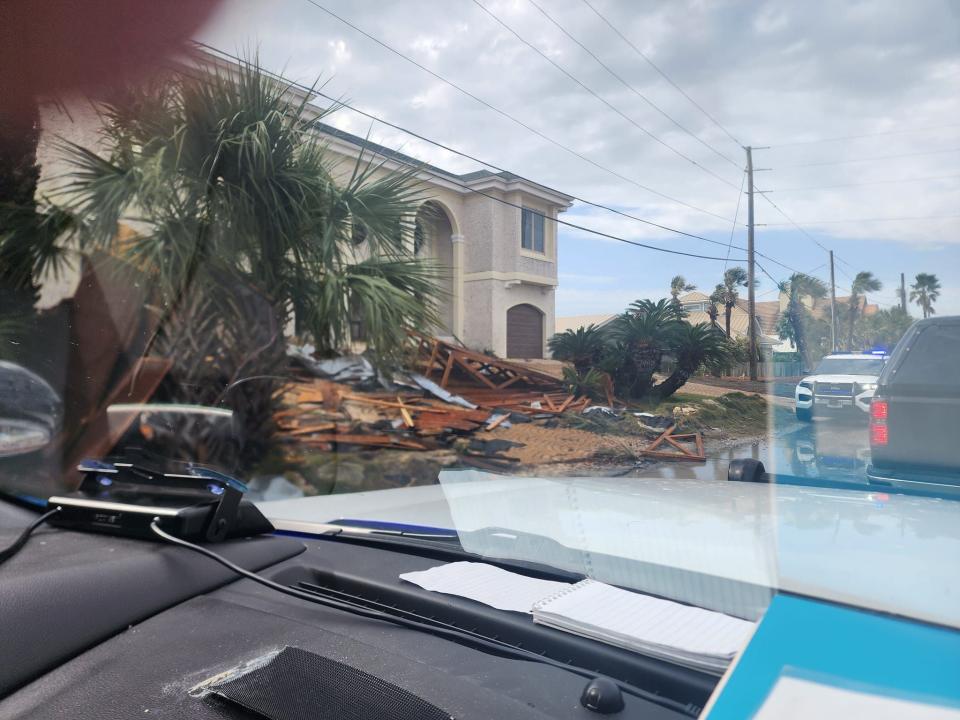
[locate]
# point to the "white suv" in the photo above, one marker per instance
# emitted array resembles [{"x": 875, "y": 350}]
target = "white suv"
[{"x": 840, "y": 383}]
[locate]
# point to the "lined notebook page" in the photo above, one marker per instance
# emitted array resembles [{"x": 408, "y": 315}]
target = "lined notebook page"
[
  {"x": 594, "y": 609},
  {"x": 487, "y": 584}
]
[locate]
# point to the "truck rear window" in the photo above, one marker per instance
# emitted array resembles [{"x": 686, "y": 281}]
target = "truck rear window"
[{"x": 932, "y": 358}]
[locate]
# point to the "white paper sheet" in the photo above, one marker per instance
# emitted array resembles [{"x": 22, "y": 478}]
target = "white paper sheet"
[
  {"x": 487, "y": 584},
  {"x": 798, "y": 699}
]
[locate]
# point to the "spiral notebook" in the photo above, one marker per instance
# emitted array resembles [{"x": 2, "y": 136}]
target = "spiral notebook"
[{"x": 689, "y": 636}]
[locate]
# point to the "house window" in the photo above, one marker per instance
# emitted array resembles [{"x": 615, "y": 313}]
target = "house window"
[{"x": 531, "y": 236}]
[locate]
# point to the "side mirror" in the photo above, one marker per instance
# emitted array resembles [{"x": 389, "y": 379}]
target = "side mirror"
[
  {"x": 30, "y": 411},
  {"x": 747, "y": 470}
]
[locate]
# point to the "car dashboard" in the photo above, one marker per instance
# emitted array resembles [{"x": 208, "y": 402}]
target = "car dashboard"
[{"x": 107, "y": 627}]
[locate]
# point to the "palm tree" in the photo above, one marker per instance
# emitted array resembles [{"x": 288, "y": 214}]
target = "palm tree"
[
  {"x": 732, "y": 279},
  {"x": 582, "y": 347},
  {"x": 863, "y": 283},
  {"x": 679, "y": 285},
  {"x": 886, "y": 327},
  {"x": 794, "y": 322},
  {"x": 239, "y": 223},
  {"x": 693, "y": 346},
  {"x": 716, "y": 298},
  {"x": 924, "y": 292}
]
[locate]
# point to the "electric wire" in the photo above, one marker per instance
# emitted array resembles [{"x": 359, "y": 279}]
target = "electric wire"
[
  {"x": 452, "y": 178},
  {"x": 733, "y": 228},
  {"x": 17, "y": 545},
  {"x": 839, "y": 138},
  {"x": 599, "y": 97},
  {"x": 873, "y": 219},
  {"x": 662, "y": 74},
  {"x": 432, "y": 626},
  {"x": 630, "y": 87},
  {"x": 872, "y": 159},
  {"x": 889, "y": 181},
  {"x": 513, "y": 118}
]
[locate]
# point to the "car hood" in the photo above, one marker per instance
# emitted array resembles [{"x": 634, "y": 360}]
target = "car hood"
[{"x": 889, "y": 552}]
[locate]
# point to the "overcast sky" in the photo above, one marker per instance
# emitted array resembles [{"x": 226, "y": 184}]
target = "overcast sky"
[{"x": 778, "y": 74}]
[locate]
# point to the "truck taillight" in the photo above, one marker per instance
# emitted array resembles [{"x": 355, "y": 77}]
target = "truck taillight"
[{"x": 879, "y": 430}]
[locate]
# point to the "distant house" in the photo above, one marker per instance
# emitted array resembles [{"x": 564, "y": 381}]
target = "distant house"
[
  {"x": 490, "y": 231},
  {"x": 767, "y": 313}
]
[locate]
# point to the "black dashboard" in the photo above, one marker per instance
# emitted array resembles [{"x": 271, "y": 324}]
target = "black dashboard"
[{"x": 104, "y": 627}]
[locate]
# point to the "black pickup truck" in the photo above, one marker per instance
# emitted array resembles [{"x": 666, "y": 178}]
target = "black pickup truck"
[{"x": 915, "y": 412}]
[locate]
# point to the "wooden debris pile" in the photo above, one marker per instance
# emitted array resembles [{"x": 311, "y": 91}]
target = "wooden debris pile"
[
  {"x": 491, "y": 382},
  {"x": 323, "y": 414}
]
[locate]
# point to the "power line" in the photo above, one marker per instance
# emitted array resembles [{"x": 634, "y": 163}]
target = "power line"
[
  {"x": 631, "y": 87},
  {"x": 510, "y": 117},
  {"x": 599, "y": 97},
  {"x": 875, "y": 219},
  {"x": 864, "y": 135},
  {"x": 662, "y": 74},
  {"x": 468, "y": 156},
  {"x": 423, "y": 167},
  {"x": 735, "y": 215},
  {"x": 891, "y": 181},
  {"x": 873, "y": 159}
]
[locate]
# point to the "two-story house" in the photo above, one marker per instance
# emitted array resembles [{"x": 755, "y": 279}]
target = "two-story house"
[{"x": 491, "y": 233}]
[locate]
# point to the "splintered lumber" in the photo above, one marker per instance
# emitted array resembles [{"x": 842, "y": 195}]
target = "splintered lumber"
[
  {"x": 307, "y": 429},
  {"x": 668, "y": 437},
  {"x": 497, "y": 422},
  {"x": 491, "y": 372},
  {"x": 357, "y": 439},
  {"x": 407, "y": 417}
]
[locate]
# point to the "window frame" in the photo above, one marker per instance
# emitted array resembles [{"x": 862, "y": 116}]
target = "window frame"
[{"x": 531, "y": 216}]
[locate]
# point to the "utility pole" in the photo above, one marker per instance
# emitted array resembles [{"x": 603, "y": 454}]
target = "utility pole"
[
  {"x": 903, "y": 293},
  {"x": 833, "y": 307},
  {"x": 751, "y": 293}
]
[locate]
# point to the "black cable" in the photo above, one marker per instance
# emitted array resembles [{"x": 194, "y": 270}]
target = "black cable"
[
  {"x": 632, "y": 89},
  {"x": 510, "y": 117},
  {"x": 15, "y": 547},
  {"x": 434, "y": 627},
  {"x": 872, "y": 159},
  {"x": 424, "y": 168},
  {"x": 889, "y": 181},
  {"x": 864, "y": 135},
  {"x": 873, "y": 219},
  {"x": 666, "y": 77},
  {"x": 736, "y": 214},
  {"x": 599, "y": 97}
]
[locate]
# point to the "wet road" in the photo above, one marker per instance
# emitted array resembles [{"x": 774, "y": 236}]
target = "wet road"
[{"x": 829, "y": 448}]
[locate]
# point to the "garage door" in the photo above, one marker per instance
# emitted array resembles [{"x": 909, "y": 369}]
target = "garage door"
[{"x": 524, "y": 332}]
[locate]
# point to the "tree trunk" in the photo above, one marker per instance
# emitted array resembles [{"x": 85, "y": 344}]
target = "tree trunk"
[
  {"x": 854, "y": 308},
  {"x": 677, "y": 379},
  {"x": 727, "y": 310}
]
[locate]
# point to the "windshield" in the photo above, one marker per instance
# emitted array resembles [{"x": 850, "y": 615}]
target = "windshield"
[
  {"x": 550, "y": 269},
  {"x": 849, "y": 366}
]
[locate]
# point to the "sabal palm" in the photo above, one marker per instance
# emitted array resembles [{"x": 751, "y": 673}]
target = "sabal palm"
[
  {"x": 716, "y": 298},
  {"x": 228, "y": 185},
  {"x": 679, "y": 284},
  {"x": 793, "y": 324},
  {"x": 732, "y": 279},
  {"x": 925, "y": 291},
  {"x": 863, "y": 283}
]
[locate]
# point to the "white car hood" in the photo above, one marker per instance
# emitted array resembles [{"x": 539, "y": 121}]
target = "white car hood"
[{"x": 894, "y": 553}]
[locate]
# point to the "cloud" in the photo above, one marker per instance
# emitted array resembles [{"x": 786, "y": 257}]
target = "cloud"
[{"x": 771, "y": 73}]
